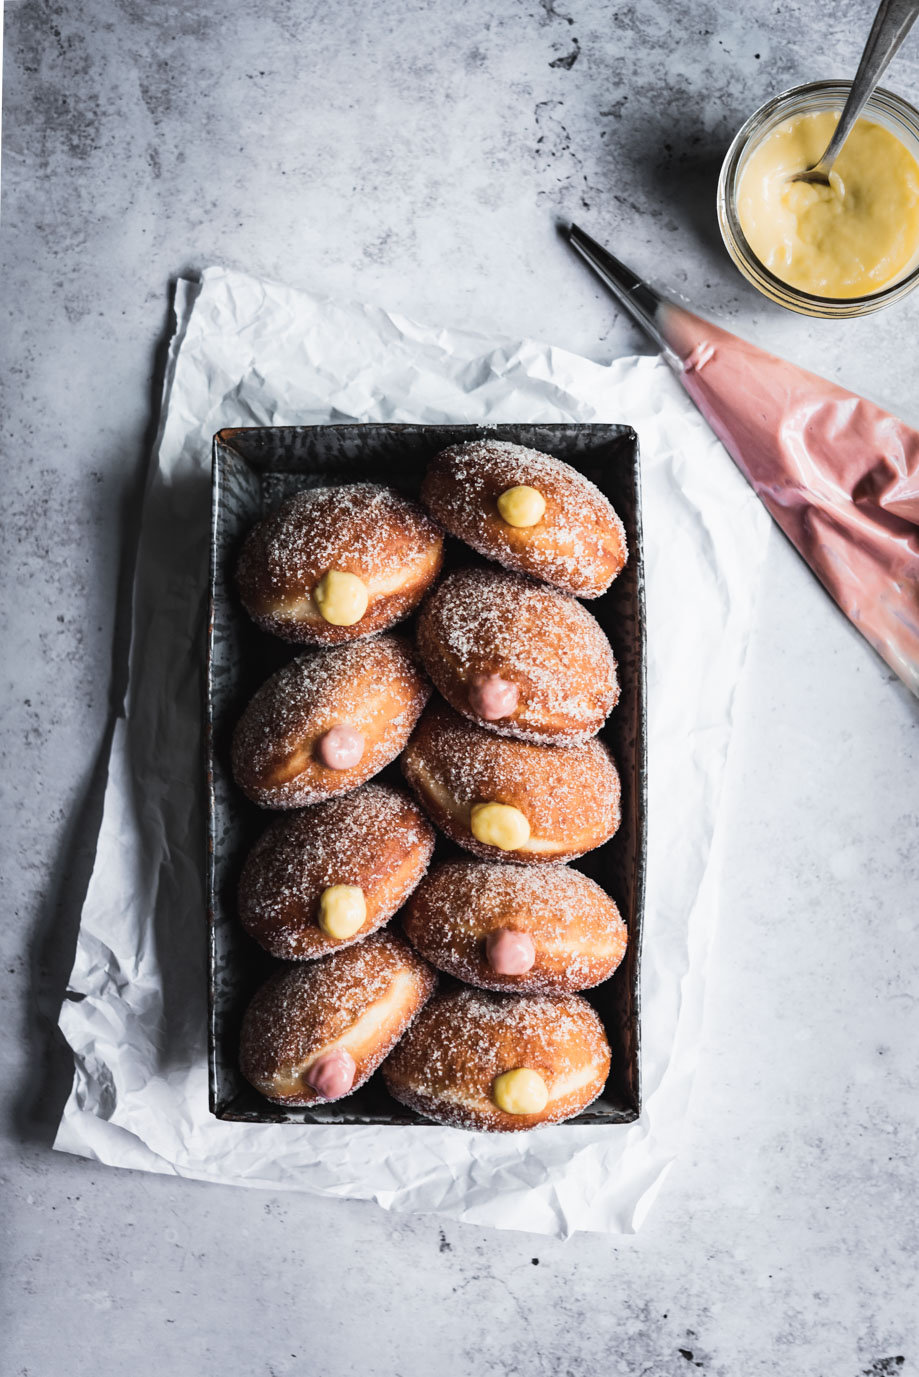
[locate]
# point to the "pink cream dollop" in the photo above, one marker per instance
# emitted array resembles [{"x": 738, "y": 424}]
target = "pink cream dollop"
[
  {"x": 510, "y": 952},
  {"x": 838, "y": 474},
  {"x": 491, "y": 697},
  {"x": 332, "y": 1075},
  {"x": 340, "y": 748}
]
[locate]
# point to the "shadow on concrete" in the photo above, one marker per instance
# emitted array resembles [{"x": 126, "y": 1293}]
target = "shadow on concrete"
[{"x": 41, "y": 1097}]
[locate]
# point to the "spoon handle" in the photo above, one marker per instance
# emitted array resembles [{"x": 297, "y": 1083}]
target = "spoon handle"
[{"x": 892, "y": 23}]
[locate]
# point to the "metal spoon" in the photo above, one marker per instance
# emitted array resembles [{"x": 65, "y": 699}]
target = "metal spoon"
[{"x": 892, "y": 23}]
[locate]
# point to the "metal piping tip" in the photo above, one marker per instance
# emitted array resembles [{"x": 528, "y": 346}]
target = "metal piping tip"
[{"x": 635, "y": 295}]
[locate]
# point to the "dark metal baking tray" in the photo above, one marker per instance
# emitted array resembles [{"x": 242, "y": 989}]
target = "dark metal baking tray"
[{"x": 254, "y": 470}]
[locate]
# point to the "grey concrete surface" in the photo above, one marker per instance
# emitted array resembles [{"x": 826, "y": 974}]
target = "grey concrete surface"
[{"x": 417, "y": 155}]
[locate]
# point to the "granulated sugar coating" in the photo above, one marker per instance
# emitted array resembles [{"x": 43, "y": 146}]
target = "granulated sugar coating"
[
  {"x": 301, "y": 1010},
  {"x": 506, "y": 650},
  {"x": 375, "y": 838},
  {"x": 579, "y": 544},
  {"x": 568, "y": 794},
  {"x": 374, "y": 686},
  {"x": 481, "y": 622},
  {"x": 446, "y": 1066},
  {"x": 364, "y": 529},
  {"x": 578, "y": 934}
]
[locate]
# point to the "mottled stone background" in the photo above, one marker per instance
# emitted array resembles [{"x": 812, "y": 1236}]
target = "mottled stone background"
[{"x": 418, "y": 155}]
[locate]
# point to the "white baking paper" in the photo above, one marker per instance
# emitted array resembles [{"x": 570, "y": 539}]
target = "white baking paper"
[{"x": 247, "y": 352}]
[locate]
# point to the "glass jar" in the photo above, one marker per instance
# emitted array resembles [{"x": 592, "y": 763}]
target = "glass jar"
[{"x": 883, "y": 108}]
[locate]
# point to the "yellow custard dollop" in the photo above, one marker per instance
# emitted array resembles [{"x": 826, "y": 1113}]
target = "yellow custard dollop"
[{"x": 848, "y": 239}]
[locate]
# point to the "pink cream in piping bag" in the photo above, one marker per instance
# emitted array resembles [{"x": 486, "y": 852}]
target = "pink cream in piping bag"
[{"x": 838, "y": 474}]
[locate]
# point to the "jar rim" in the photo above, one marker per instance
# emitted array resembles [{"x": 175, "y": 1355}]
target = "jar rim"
[{"x": 881, "y": 101}]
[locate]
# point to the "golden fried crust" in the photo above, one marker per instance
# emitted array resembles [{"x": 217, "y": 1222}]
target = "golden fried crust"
[
  {"x": 578, "y": 936},
  {"x": 569, "y": 794},
  {"x": 374, "y": 838},
  {"x": 360, "y": 1000},
  {"x": 579, "y": 545},
  {"x": 446, "y": 1066},
  {"x": 374, "y": 686},
  {"x": 358, "y": 528},
  {"x": 484, "y": 622}
]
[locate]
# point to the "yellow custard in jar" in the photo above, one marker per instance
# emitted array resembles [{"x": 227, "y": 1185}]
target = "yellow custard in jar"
[{"x": 845, "y": 240}]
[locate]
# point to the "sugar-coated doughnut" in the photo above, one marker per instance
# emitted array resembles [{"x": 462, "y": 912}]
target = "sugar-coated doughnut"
[
  {"x": 502, "y": 1063},
  {"x": 511, "y": 800},
  {"x": 529, "y": 512},
  {"x": 549, "y": 930},
  {"x": 328, "y": 721},
  {"x": 333, "y": 564},
  {"x": 518, "y": 656},
  {"x": 328, "y": 876},
  {"x": 316, "y": 1032}
]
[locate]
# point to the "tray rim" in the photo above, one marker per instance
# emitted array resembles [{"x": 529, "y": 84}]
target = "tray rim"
[{"x": 223, "y": 440}]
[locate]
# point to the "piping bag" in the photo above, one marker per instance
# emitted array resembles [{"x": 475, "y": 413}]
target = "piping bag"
[{"x": 838, "y": 474}]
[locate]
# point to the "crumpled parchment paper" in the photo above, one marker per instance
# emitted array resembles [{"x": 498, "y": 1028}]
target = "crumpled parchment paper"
[{"x": 247, "y": 352}]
